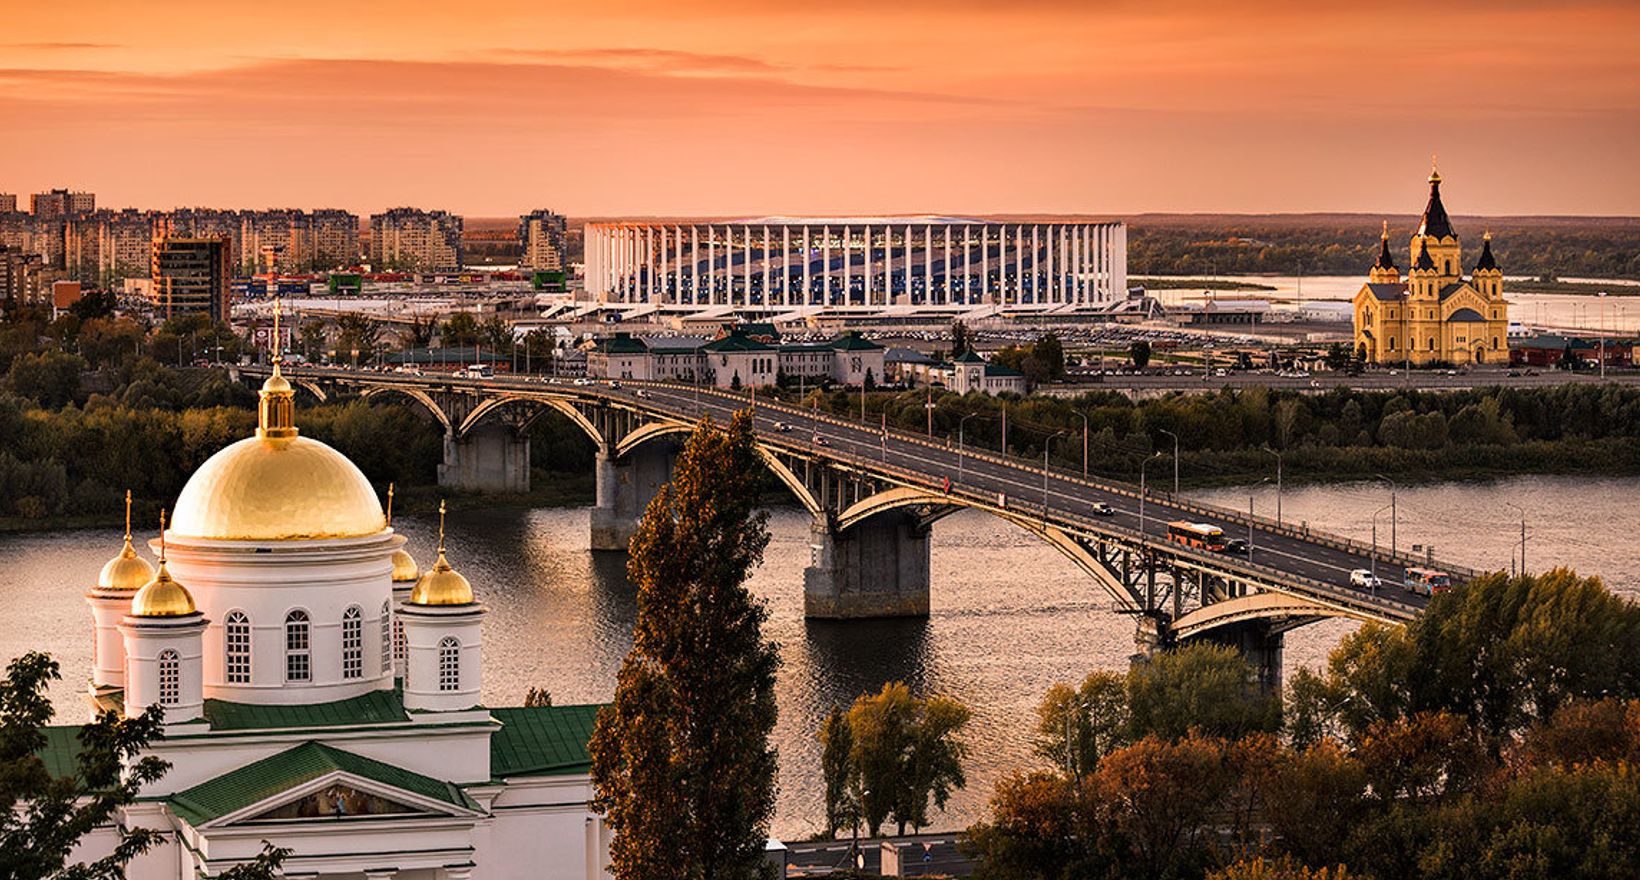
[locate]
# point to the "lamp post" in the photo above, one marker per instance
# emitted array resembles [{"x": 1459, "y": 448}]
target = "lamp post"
[
  {"x": 1522, "y": 535},
  {"x": 1084, "y": 419},
  {"x": 960, "y": 423},
  {"x": 1142, "y": 491},
  {"x": 1277, "y": 454},
  {"x": 929, "y": 406},
  {"x": 1602, "y": 339},
  {"x": 1250, "y": 519},
  {"x": 1394, "y": 518},
  {"x": 1373, "y": 563},
  {"x": 1046, "y": 445},
  {"x": 1175, "y": 458}
]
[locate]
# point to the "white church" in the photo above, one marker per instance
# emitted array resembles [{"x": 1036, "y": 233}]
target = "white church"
[{"x": 321, "y": 692}]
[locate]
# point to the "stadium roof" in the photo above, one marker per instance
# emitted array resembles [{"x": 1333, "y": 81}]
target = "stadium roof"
[{"x": 915, "y": 219}]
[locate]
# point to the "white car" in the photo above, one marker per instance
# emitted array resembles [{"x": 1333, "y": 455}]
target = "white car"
[
  {"x": 1365, "y": 579},
  {"x": 1100, "y": 508}
]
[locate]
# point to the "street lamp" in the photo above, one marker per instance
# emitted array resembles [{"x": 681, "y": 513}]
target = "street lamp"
[
  {"x": 1373, "y": 569},
  {"x": 1175, "y": 458},
  {"x": 1394, "y": 519},
  {"x": 1046, "y": 445},
  {"x": 1250, "y": 519},
  {"x": 1277, "y": 454},
  {"x": 1522, "y": 535},
  {"x": 1602, "y": 337},
  {"x": 960, "y": 423},
  {"x": 1142, "y": 492},
  {"x": 1084, "y": 419}
]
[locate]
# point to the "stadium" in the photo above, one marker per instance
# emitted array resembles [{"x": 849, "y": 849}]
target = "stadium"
[{"x": 841, "y": 262}]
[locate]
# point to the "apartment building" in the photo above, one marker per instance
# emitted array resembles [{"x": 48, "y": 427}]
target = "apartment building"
[
  {"x": 190, "y": 275},
  {"x": 413, "y": 240},
  {"x": 542, "y": 233}
]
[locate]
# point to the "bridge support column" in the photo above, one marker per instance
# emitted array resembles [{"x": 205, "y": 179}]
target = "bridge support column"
[
  {"x": 626, "y": 485},
  {"x": 491, "y": 458},
  {"x": 878, "y": 568},
  {"x": 1259, "y": 642}
]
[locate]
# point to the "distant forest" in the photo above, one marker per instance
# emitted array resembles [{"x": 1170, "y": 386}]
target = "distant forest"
[{"x": 1346, "y": 244}]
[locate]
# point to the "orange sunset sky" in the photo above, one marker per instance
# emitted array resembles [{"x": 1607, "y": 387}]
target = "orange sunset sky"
[{"x": 490, "y": 107}]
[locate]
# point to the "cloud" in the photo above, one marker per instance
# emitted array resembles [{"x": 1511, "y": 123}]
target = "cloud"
[
  {"x": 61, "y": 47},
  {"x": 663, "y": 60}
]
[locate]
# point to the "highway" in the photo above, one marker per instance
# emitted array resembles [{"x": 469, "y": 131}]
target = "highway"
[
  {"x": 1281, "y": 556},
  {"x": 1184, "y": 378}
]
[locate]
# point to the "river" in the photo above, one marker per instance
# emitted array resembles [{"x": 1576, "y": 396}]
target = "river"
[{"x": 1010, "y": 616}]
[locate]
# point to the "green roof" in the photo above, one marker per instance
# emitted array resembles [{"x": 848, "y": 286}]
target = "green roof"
[
  {"x": 62, "y": 749},
  {"x": 999, "y": 370},
  {"x": 853, "y": 341},
  {"x": 376, "y": 707},
  {"x": 969, "y": 357},
  {"x": 622, "y": 343},
  {"x": 763, "y": 329},
  {"x": 260, "y": 780},
  {"x": 736, "y": 341},
  {"x": 542, "y": 740}
]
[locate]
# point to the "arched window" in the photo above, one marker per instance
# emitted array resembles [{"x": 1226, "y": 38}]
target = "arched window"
[
  {"x": 298, "y": 647},
  {"x": 170, "y": 678},
  {"x": 449, "y": 664},
  {"x": 386, "y": 637},
  {"x": 238, "y": 647},
  {"x": 353, "y": 643},
  {"x": 398, "y": 639}
]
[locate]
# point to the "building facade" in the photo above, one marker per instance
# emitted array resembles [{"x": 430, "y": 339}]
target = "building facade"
[
  {"x": 8, "y": 203},
  {"x": 105, "y": 247},
  {"x": 410, "y": 239},
  {"x": 191, "y": 276},
  {"x": 739, "y": 358},
  {"x": 61, "y": 204},
  {"x": 1432, "y": 314},
  {"x": 839, "y": 262},
  {"x": 541, "y": 235},
  {"x": 323, "y": 693},
  {"x": 20, "y": 277}
]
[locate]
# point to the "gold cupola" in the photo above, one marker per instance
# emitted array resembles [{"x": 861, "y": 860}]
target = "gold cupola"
[
  {"x": 405, "y": 569},
  {"x": 441, "y": 585},
  {"x": 278, "y": 486},
  {"x": 162, "y": 597},
  {"x": 127, "y": 571}
]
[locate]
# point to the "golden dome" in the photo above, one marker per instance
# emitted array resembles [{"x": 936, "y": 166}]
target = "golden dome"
[
  {"x": 405, "y": 569},
  {"x": 162, "y": 597},
  {"x": 278, "y": 489},
  {"x": 441, "y": 585},
  {"x": 127, "y": 571}
]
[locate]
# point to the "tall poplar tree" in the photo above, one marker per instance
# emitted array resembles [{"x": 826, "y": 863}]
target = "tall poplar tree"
[{"x": 681, "y": 760}]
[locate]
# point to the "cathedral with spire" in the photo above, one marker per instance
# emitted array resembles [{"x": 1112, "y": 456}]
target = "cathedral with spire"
[
  {"x": 321, "y": 691},
  {"x": 1433, "y": 314}
]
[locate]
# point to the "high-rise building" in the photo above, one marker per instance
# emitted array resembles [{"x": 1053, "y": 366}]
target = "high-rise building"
[
  {"x": 191, "y": 275},
  {"x": 60, "y": 203},
  {"x": 413, "y": 240},
  {"x": 335, "y": 239},
  {"x": 105, "y": 247},
  {"x": 203, "y": 223},
  {"x": 20, "y": 281},
  {"x": 541, "y": 233},
  {"x": 8, "y": 203},
  {"x": 274, "y": 241}
]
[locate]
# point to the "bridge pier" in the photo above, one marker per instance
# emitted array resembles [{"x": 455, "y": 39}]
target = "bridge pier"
[
  {"x": 491, "y": 457},
  {"x": 878, "y": 568},
  {"x": 626, "y": 485},
  {"x": 1260, "y": 644}
]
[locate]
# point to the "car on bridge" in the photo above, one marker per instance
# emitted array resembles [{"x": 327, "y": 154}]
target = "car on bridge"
[
  {"x": 1426, "y": 581},
  {"x": 1100, "y": 508},
  {"x": 1365, "y": 579}
]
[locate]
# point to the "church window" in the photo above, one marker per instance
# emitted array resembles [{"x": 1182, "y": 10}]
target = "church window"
[
  {"x": 237, "y": 638},
  {"x": 449, "y": 664},
  {"x": 386, "y": 638},
  {"x": 1392, "y": 343},
  {"x": 398, "y": 639},
  {"x": 298, "y": 647},
  {"x": 170, "y": 678},
  {"x": 352, "y": 643},
  {"x": 1494, "y": 342},
  {"x": 1431, "y": 343}
]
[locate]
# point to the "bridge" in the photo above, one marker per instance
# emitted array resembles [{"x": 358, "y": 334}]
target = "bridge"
[{"x": 875, "y": 495}]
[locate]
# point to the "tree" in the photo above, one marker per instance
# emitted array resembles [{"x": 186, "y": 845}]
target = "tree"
[
  {"x": 1198, "y": 686},
  {"x": 44, "y": 817},
  {"x": 869, "y": 383},
  {"x": 1051, "y": 352},
  {"x": 312, "y": 339},
  {"x": 356, "y": 332},
  {"x": 681, "y": 761},
  {"x": 960, "y": 339},
  {"x": 94, "y": 304},
  {"x": 1042, "y": 826},
  {"x": 420, "y": 333},
  {"x": 460, "y": 329},
  {"x": 50, "y": 378},
  {"x": 1077, "y": 727},
  {"x": 1139, "y": 353},
  {"x": 905, "y": 751},
  {"x": 537, "y": 697},
  {"x": 837, "y": 773}
]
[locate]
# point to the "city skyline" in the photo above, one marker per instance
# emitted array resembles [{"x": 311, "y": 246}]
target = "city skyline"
[{"x": 725, "y": 108}]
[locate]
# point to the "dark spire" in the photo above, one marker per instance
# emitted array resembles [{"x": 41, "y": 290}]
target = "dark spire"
[
  {"x": 1435, "y": 223},
  {"x": 1424, "y": 260},
  {"x": 1385, "y": 261},
  {"x": 1487, "y": 262}
]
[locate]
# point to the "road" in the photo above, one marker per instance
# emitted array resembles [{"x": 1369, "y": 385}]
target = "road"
[
  {"x": 819, "y": 858},
  {"x": 1187, "y": 379}
]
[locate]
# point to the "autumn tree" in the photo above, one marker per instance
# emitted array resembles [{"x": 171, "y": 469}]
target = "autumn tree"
[
  {"x": 681, "y": 761},
  {"x": 836, "y": 773},
  {"x": 1076, "y": 727},
  {"x": 1199, "y": 686},
  {"x": 904, "y": 753}
]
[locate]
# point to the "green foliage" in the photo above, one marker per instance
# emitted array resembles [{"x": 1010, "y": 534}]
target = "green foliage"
[
  {"x": 1197, "y": 686},
  {"x": 460, "y": 329},
  {"x": 49, "y": 378},
  {"x": 681, "y": 761},
  {"x": 961, "y": 339},
  {"x": 1077, "y": 727},
  {"x": 899, "y": 753},
  {"x": 836, "y": 772},
  {"x": 1139, "y": 353}
]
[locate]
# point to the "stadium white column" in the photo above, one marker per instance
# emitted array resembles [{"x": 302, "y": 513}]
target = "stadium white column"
[
  {"x": 768, "y": 266},
  {"x": 908, "y": 258},
  {"x": 746, "y": 271},
  {"x": 928, "y": 264},
  {"x": 803, "y": 296},
  {"x": 589, "y": 259},
  {"x": 1019, "y": 263},
  {"x": 985, "y": 264},
  {"x": 947, "y": 273},
  {"x": 1119, "y": 260}
]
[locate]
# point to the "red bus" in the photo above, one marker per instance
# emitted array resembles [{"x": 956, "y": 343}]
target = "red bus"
[{"x": 1199, "y": 535}]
